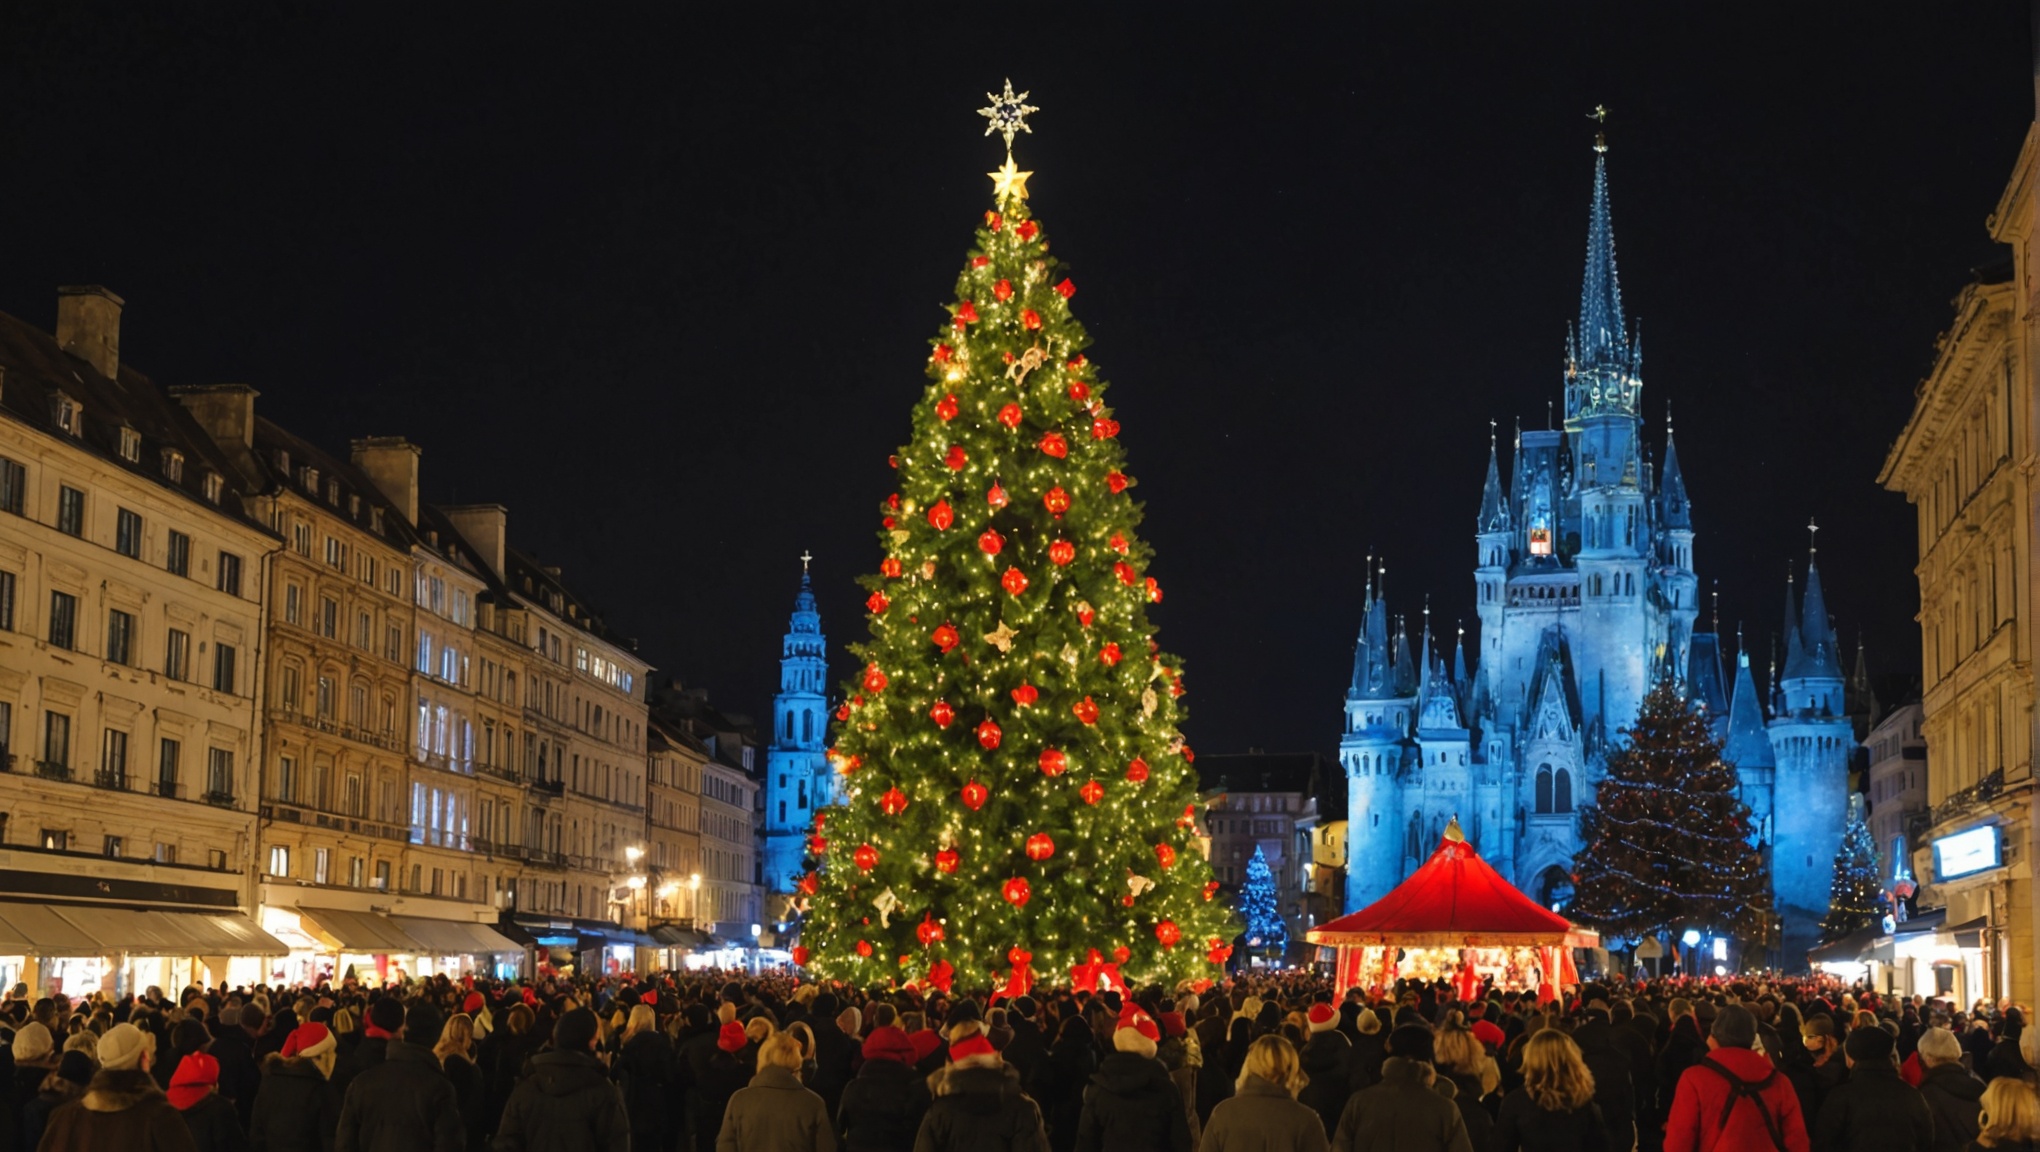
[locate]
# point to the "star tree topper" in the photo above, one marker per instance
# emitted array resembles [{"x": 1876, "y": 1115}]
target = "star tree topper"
[{"x": 1008, "y": 115}]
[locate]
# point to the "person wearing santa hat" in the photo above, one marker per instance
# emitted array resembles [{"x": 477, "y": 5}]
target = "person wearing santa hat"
[
  {"x": 1327, "y": 1058},
  {"x": 298, "y": 1106},
  {"x": 979, "y": 1103},
  {"x": 1131, "y": 1104}
]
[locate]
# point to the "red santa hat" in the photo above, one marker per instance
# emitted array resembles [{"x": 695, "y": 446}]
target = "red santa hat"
[
  {"x": 311, "y": 1040},
  {"x": 1136, "y": 1031},
  {"x": 1322, "y": 1017},
  {"x": 975, "y": 1044}
]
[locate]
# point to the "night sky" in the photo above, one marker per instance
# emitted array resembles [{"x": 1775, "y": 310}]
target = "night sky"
[{"x": 661, "y": 281}]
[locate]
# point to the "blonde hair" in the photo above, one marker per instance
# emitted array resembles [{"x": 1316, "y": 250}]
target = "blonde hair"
[
  {"x": 642, "y": 1019},
  {"x": 760, "y": 1029},
  {"x": 803, "y": 1036},
  {"x": 1680, "y": 1006},
  {"x": 1554, "y": 1074},
  {"x": 458, "y": 1038},
  {"x": 2011, "y": 1112},
  {"x": 1457, "y": 1050},
  {"x": 1367, "y": 1022},
  {"x": 1273, "y": 1059},
  {"x": 781, "y": 1051}
]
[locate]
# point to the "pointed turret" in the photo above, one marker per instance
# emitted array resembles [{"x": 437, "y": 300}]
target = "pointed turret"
[
  {"x": 1791, "y": 627},
  {"x": 1406, "y": 675},
  {"x": 1494, "y": 509},
  {"x": 1672, "y": 510},
  {"x": 1747, "y": 745},
  {"x": 1816, "y": 634},
  {"x": 1371, "y": 668},
  {"x": 1459, "y": 660},
  {"x": 1603, "y": 341}
]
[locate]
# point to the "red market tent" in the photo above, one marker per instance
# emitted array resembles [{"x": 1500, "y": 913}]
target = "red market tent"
[{"x": 1454, "y": 901}]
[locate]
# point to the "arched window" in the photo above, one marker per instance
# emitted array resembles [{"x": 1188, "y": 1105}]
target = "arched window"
[
  {"x": 1543, "y": 789},
  {"x": 807, "y": 727},
  {"x": 1416, "y": 841},
  {"x": 1561, "y": 792}
]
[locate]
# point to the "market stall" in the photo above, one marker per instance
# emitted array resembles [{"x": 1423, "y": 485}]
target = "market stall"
[
  {"x": 1455, "y": 918},
  {"x": 78, "y": 949}
]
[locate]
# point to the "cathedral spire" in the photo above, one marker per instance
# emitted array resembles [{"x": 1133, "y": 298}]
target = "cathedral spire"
[
  {"x": 1673, "y": 511},
  {"x": 1601, "y": 367},
  {"x": 1494, "y": 510}
]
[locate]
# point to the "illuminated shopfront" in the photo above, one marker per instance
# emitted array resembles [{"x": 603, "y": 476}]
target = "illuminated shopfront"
[{"x": 80, "y": 949}]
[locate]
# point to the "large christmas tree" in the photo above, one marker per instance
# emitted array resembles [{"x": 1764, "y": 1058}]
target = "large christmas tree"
[
  {"x": 1665, "y": 845},
  {"x": 1853, "y": 899},
  {"x": 1258, "y": 906},
  {"x": 1017, "y": 803}
]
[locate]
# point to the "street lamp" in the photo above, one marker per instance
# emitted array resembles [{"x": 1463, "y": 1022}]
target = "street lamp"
[
  {"x": 633, "y": 853},
  {"x": 755, "y": 958}
]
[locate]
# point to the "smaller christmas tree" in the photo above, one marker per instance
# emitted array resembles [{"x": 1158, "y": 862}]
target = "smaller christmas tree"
[
  {"x": 1259, "y": 909},
  {"x": 1666, "y": 841},
  {"x": 1853, "y": 900}
]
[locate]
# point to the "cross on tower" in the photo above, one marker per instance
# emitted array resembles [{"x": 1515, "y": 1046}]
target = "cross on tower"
[{"x": 804, "y": 559}]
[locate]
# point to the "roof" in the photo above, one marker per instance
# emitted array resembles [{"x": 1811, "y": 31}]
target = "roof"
[
  {"x": 540, "y": 583},
  {"x": 281, "y": 459},
  {"x": 1302, "y": 772},
  {"x": 1454, "y": 901}
]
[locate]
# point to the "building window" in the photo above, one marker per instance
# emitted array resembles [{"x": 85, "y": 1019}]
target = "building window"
[
  {"x": 6, "y": 601},
  {"x": 336, "y": 553},
  {"x": 13, "y": 486},
  {"x": 130, "y": 445},
  {"x": 214, "y": 486},
  {"x": 169, "y": 752},
  {"x": 286, "y": 779},
  {"x": 356, "y": 871},
  {"x": 329, "y": 617},
  {"x": 223, "y": 667},
  {"x": 165, "y": 853},
  {"x": 230, "y": 574},
  {"x": 219, "y": 774},
  {"x": 293, "y": 604},
  {"x": 179, "y": 561},
  {"x": 56, "y": 840},
  {"x": 364, "y": 629},
  {"x": 322, "y": 865},
  {"x": 120, "y": 637},
  {"x": 70, "y": 511},
  {"x": 279, "y": 860},
  {"x": 382, "y": 875},
  {"x": 63, "y": 619},
  {"x": 177, "y": 655},
  {"x": 324, "y": 701},
  {"x": 113, "y": 760},
  {"x": 173, "y": 465},
  {"x": 1561, "y": 793},
  {"x": 113, "y": 846},
  {"x": 127, "y": 533},
  {"x": 216, "y": 859}
]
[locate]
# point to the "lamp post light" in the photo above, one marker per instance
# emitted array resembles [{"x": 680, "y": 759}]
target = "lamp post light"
[{"x": 756, "y": 959}]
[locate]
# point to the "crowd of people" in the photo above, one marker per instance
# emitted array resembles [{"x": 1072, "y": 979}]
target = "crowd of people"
[{"x": 727, "y": 1062}]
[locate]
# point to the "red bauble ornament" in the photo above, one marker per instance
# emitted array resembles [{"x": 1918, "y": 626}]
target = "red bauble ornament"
[
  {"x": 893, "y": 462},
  {"x": 866, "y": 857},
  {"x": 1079, "y": 391},
  {"x": 1168, "y": 933},
  {"x": 1014, "y": 581},
  {"x": 1009, "y": 415},
  {"x": 800, "y": 955},
  {"x": 864, "y": 949},
  {"x": 941, "y": 516},
  {"x": 877, "y": 603},
  {"x": 1054, "y": 445},
  {"x": 874, "y": 679},
  {"x": 944, "y": 636},
  {"x": 1165, "y": 855},
  {"x": 889, "y": 568},
  {"x": 1154, "y": 591},
  {"x": 1220, "y": 951},
  {"x": 956, "y": 458},
  {"x": 946, "y": 860},
  {"x": 893, "y": 802},
  {"x": 1085, "y": 710},
  {"x": 928, "y": 931},
  {"x": 887, "y": 523},
  {"x": 1056, "y": 501},
  {"x": 941, "y": 713},
  {"x": 1127, "y": 900},
  {"x": 1122, "y": 954},
  {"x": 1003, "y": 290},
  {"x": 942, "y": 353},
  {"x": 1092, "y": 791},
  {"x": 996, "y": 497},
  {"x": 1066, "y": 289},
  {"x": 1118, "y": 543},
  {"x": 990, "y": 542},
  {"x": 980, "y": 261},
  {"x": 843, "y": 713},
  {"x": 967, "y": 313},
  {"x": 941, "y": 974},
  {"x": 1019, "y": 957},
  {"x": 1054, "y": 762},
  {"x": 1109, "y": 655},
  {"x": 808, "y": 885},
  {"x": 1086, "y": 614},
  {"x": 817, "y": 846},
  {"x": 1188, "y": 755},
  {"x": 1030, "y": 318},
  {"x": 1116, "y": 481},
  {"x": 1028, "y": 230},
  {"x": 1026, "y": 694},
  {"x": 1062, "y": 552},
  {"x": 1040, "y": 847},
  {"x": 1137, "y": 772},
  {"x": 1104, "y": 428},
  {"x": 1125, "y": 572},
  {"x": 992, "y": 221},
  {"x": 945, "y": 408},
  {"x": 1017, "y": 892},
  {"x": 975, "y": 795},
  {"x": 988, "y": 734}
]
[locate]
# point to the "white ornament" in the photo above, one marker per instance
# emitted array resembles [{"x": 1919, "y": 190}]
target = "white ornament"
[
  {"x": 1137, "y": 882},
  {"x": 885, "y": 904},
  {"x": 1008, "y": 114}
]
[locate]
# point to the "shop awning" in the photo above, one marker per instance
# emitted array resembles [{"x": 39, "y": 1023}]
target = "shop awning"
[
  {"x": 455, "y": 937},
  {"x": 1969, "y": 933},
  {"x": 674, "y": 936},
  {"x": 36, "y": 929},
  {"x": 359, "y": 931},
  {"x": 1855, "y": 948}
]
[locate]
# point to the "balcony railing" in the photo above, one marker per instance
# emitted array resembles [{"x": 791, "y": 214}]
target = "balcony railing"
[
  {"x": 111, "y": 779},
  {"x": 167, "y": 789},
  {"x": 549, "y": 787},
  {"x": 53, "y": 770},
  {"x": 218, "y": 799},
  {"x": 551, "y": 859}
]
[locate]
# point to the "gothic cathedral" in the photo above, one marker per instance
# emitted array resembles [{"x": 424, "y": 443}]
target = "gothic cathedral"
[
  {"x": 797, "y": 776},
  {"x": 1586, "y": 591}
]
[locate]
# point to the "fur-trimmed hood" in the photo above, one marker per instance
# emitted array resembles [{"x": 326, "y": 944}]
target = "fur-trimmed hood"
[{"x": 119, "y": 1089}]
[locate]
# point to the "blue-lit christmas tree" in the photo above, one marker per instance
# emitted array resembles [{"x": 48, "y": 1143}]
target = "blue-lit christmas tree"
[
  {"x": 1265, "y": 931},
  {"x": 1853, "y": 902}
]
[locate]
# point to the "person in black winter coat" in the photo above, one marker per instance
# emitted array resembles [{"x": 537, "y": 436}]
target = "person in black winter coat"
[
  {"x": 72, "y": 1076},
  {"x": 883, "y": 1104},
  {"x": 1059, "y": 1089},
  {"x": 1131, "y": 1104},
  {"x": 979, "y": 1104},
  {"x": 1683, "y": 1048},
  {"x": 456, "y": 1052},
  {"x": 504, "y": 1055},
  {"x": 649, "y": 1074},
  {"x": 1327, "y": 1059},
  {"x": 1873, "y": 1110},
  {"x": 384, "y": 1020},
  {"x": 298, "y": 1108},
  {"x": 1614, "y": 1094},
  {"x": 214, "y": 1125},
  {"x": 567, "y": 1104},
  {"x": 715, "y": 1072},
  {"x": 406, "y": 1101},
  {"x": 1370, "y": 1049},
  {"x": 1028, "y": 1049},
  {"x": 1953, "y": 1096}
]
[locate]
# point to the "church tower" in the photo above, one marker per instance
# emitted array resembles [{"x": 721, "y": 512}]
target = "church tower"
[
  {"x": 1811, "y": 740},
  {"x": 1379, "y": 705},
  {"x": 797, "y": 776}
]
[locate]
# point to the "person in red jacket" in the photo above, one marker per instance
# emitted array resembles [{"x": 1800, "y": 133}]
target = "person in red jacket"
[{"x": 1733, "y": 1100}]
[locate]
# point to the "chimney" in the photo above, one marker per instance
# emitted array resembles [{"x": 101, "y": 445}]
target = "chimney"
[
  {"x": 225, "y": 411},
  {"x": 88, "y": 326},
  {"x": 392, "y": 463},
  {"x": 485, "y": 526}
]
